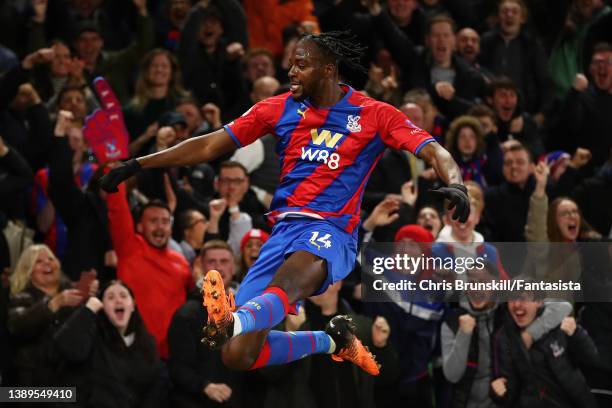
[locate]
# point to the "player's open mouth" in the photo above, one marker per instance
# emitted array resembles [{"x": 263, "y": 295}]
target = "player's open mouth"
[{"x": 294, "y": 88}]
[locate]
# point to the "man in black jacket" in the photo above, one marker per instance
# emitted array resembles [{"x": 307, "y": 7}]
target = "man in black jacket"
[
  {"x": 509, "y": 50},
  {"x": 454, "y": 86},
  {"x": 546, "y": 373},
  {"x": 585, "y": 115},
  {"x": 198, "y": 374},
  {"x": 507, "y": 204}
]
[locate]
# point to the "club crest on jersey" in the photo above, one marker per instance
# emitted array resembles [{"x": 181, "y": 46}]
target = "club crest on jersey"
[{"x": 352, "y": 123}]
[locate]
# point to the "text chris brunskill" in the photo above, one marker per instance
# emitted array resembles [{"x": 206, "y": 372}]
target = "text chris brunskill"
[{"x": 515, "y": 285}]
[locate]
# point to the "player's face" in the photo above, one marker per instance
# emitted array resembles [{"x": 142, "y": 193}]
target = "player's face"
[
  {"x": 568, "y": 220},
  {"x": 306, "y": 70},
  {"x": 156, "y": 226},
  {"x": 468, "y": 44},
  {"x": 221, "y": 260}
]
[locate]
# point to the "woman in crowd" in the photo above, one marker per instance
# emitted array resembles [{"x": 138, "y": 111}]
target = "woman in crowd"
[
  {"x": 559, "y": 223},
  {"x": 479, "y": 159},
  {"x": 41, "y": 300},
  {"x": 112, "y": 357},
  {"x": 158, "y": 88},
  {"x": 250, "y": 246}
]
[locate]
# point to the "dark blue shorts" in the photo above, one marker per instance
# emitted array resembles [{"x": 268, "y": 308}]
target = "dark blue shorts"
[{"x": 319, "y": 237}]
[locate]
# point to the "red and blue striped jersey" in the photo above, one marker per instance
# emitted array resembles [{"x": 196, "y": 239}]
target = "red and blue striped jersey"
[{"x": 327, "y": 154}]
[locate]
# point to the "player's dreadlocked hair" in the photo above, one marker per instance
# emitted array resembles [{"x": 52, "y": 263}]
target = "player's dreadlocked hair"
[{"x": 340, "y": 47}]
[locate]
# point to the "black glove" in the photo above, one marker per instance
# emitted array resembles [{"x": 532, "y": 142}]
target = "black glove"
[
  {"x": 125, "y": 170},
  {"x": 459, "y": 200}
]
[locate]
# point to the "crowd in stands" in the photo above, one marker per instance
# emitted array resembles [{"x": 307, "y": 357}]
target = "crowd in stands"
[{"x": 100, "y": 290}]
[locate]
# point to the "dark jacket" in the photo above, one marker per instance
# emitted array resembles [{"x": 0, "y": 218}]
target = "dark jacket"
[
  {"x": 506, "y": 209},
  {"x": 528, "y": 136},
  {"x": 30, "y": 131},
  {"x": 32, "y": 324},
  {"x": 192, "y": 365},
  {"x": 106, "y": 372},
  {"x": 586, "y": 122},
  {"x": 15, "y": 176},
  {"x": 598, "y": 212},
  {"x": 83, "y": 212},
  {"x": 416, "y": 67},
  {"x": 531, "y": 77},
  {"x": 212, "y": 77},
  {"x": 545, "y": 375}
]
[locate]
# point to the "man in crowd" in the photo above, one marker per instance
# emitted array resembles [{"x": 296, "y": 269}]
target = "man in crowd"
[
  {"x": 507, "y": 204},
  {"x": 198, "y": 373},
  {"x": 158, "y": 276}
]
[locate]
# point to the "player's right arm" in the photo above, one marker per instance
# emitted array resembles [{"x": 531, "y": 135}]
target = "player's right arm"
[
  {"x": 189, "y": 152},
  {"x": 253, "y": 124}
]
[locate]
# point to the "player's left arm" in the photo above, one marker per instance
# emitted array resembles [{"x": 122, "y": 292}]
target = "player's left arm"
[
  {"x": 443, "y": 163},
  {"x": 398, "y": 132},
  {"x": 446, "y": 168}
]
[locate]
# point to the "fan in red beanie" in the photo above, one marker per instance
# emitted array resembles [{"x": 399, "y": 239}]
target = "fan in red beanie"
[
  {"x": 250, "y": 244},
  {"x": 415, "y": 233}
]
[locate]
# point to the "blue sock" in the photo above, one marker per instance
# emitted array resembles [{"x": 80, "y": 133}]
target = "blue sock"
[
  {"x": 262, "y": 312},
  {"x": 284, "y": 347}
]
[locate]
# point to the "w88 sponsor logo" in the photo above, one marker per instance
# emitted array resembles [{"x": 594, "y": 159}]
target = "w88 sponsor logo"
[{"x": 331, "y": 159}]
